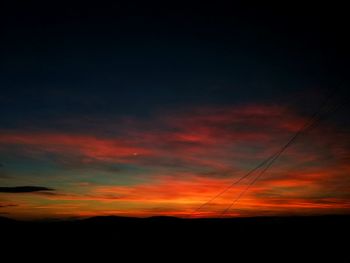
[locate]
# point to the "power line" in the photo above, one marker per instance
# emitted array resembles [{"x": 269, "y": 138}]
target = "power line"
[
  {"x": 311, "y": 124},
  {"x": 269, "y": 161}
]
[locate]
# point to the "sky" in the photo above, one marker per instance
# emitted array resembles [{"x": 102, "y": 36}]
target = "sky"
[{"x": 141, "y": 110}]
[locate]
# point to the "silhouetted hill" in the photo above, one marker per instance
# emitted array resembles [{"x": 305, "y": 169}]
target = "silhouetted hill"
[
  {"x": 6, "y": 220},
  {"x": 108, "y": 219},
  {"x": 164, "y": 218},
  {"x": 303, "y": 239}
]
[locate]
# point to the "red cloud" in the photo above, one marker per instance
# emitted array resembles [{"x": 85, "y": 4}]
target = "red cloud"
[
  {"x": 91, "y": 147},
  {"x": 182, "y": 194},
  {"x": 190, "y": 131},
  {"x": 191, "y": 155}
]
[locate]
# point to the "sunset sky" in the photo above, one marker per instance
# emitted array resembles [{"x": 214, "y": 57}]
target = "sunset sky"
[{"x": 138, "y": 111}]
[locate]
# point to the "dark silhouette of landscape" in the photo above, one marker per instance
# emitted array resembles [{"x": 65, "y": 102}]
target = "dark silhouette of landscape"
[{"x": 303, "y": 238}]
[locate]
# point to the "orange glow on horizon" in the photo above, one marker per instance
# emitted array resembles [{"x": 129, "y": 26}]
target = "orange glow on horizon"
[{"x": 174, "y": 169}]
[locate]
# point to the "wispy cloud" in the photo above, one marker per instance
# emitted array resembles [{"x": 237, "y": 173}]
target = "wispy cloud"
[
  {"x": 24, "y": 189},
  {"x": 187, "y": 156}
]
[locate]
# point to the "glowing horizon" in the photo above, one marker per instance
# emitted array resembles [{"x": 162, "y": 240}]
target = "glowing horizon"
[{"x": 175, "y": 161}]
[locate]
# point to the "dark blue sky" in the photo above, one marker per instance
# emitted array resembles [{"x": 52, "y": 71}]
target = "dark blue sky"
[{"x": 60, "y": 60}]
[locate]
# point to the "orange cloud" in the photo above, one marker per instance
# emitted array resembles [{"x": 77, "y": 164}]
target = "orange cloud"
[
  {"x": 189, "y": 156},
  {"x": 89, "y": 146}
]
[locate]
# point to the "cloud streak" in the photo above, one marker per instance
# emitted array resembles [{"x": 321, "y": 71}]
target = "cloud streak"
[
  {"x": 24, "y": 189},
  {"x": 179, "y": 159}
]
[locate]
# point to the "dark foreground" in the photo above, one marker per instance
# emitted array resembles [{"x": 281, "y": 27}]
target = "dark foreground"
[{"x": 265, "y": 239}]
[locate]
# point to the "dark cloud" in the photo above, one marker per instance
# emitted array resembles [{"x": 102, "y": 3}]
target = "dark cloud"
[
  {"x": 7, "y": 205},
  {"x": 24, "y": 189}
]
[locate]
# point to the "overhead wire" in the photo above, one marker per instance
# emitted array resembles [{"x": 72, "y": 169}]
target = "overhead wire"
[{"x": 271, "y": 159}]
